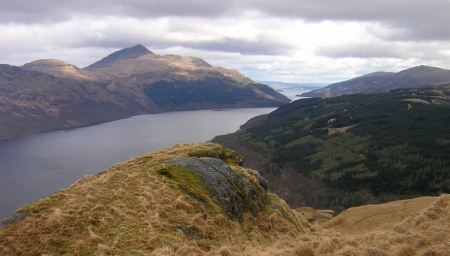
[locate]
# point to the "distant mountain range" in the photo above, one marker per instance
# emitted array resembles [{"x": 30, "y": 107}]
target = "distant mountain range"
[
  {"x": 52, "y": 94},
  {"x": 385, "y": 81}
]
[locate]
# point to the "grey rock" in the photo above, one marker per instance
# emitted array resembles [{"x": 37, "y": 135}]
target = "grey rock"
[
  {"x": 13, "y": 219},
  {"x": 283, "y": 213},
  {"x": 187, "y": 231},
  {"x": 233, "y": 193}
]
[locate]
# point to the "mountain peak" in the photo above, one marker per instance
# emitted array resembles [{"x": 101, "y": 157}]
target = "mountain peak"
[{"x": 124, "y": 54}]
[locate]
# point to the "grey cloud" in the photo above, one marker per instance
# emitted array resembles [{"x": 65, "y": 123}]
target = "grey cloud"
[
  {"x": 351, "y": 10},
  {"x": 408, "y": 11},
  {"x": 431, "y": 31},
  {"x": 411, "y": 19},
  {"x": 24, "y": 11},
  {"x": 395, "y": 50}
]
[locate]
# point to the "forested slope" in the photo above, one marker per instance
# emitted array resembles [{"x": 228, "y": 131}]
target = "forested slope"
[{"x": 355, "y": 149}]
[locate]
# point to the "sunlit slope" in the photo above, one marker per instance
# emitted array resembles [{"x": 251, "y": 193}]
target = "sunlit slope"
[{"x": 408, "y": 227}]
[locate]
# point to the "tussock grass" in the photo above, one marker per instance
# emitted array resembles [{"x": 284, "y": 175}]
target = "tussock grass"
[
  {"x": 133, "y": 208},
  {"x": 410, "y": 227}
]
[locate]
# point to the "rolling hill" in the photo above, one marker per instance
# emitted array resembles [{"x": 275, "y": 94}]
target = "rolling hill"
[
  {"x": 46, "y": 95},
  {"x": 385, "y": 81}
]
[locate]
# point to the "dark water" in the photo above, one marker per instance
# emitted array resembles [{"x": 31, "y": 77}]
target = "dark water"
[{"x": 36, "y": 166}]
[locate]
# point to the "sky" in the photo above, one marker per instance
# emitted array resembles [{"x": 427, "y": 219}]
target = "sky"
[{"x": 294, "y": 41}]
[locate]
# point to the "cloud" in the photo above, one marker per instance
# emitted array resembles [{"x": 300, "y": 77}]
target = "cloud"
[
  {"x": 427, "y": 31},
  {"x": 24, "y": 11},
  {"x": 411, "y": 19},
  {"x": 259, "y": 46},
  {"x": 159, "y": 33},
  {"x": 406, "y": 19},
  {"x": 365, "y": 50},
  {"x": 286, "y": 39},
  {"x": 381, "y": 49}
]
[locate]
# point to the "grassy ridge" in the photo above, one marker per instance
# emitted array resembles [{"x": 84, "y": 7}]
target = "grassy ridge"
[
  {"x": 146, "y": 206},
  {"x": 395, "y": 142}
]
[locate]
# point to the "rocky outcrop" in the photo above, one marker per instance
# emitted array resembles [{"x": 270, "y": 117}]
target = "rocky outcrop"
[
  {"x": 13, "y": 219},
  {"x": 233, "y": 193}
]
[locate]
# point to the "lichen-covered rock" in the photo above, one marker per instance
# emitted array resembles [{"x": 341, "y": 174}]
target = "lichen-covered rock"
[{"x": 233, "y": 193}]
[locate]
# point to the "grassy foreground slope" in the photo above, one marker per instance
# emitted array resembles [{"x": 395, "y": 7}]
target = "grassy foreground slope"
[
  {"x": 147, "y": 206},
  {"x": 353, "y": 149}
]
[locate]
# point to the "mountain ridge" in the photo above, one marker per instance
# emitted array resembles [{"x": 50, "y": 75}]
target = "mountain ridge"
[{"x": 376, "y": 82}]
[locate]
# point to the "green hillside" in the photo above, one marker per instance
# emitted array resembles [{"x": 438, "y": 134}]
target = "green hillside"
[{"x": 361, "y": 147}]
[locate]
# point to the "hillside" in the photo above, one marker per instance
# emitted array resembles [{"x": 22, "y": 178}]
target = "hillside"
[
  {"x": 184, "y": 199},
  {"x": 46, "y": 95},
  {"x": 32, "y": 102},
  {"x": 354, "y": 149},
  {"x": 385, "y": 81},
  {"x": 197, "y": 199}
]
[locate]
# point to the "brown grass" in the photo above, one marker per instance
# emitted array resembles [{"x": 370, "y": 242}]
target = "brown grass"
[
  {"x": 131, "y": 209},
  {"x": 410, "y": 227}
]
